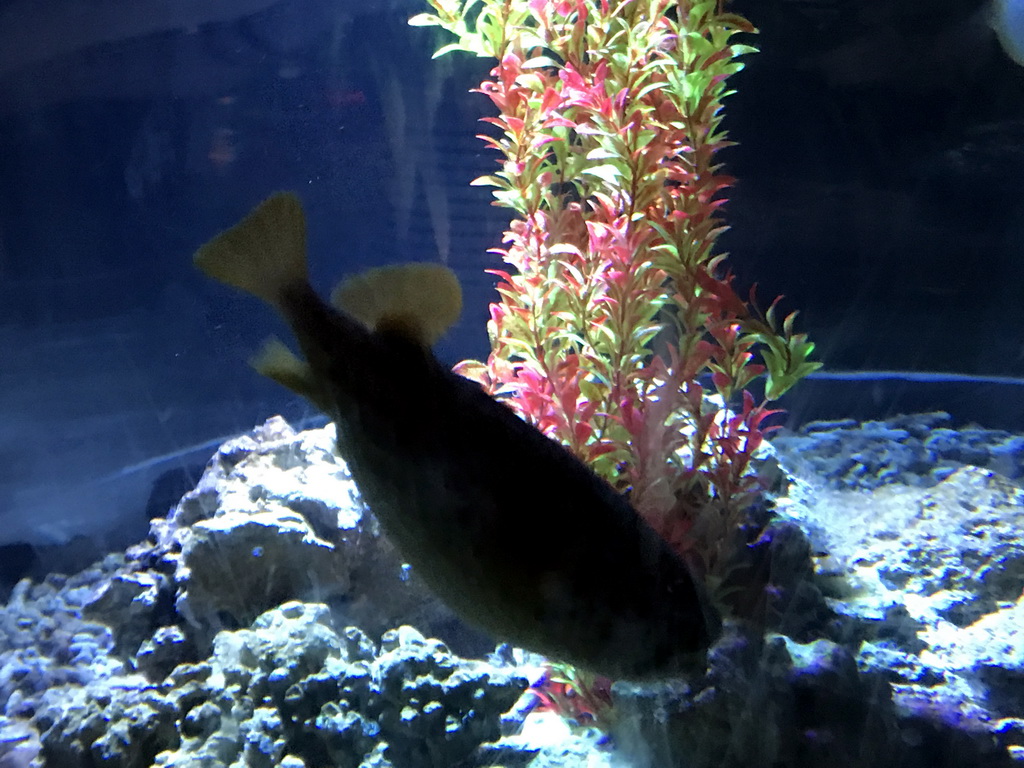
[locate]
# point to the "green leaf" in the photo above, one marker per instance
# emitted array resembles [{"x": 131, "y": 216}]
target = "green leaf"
[
  {"x": 425, "y": 20},
  {"x": 540, "y": 61},
  {"x": 446, "y": 49},
  {"x": 489, "y": 181},
  {"x": 608, "y": 173}
]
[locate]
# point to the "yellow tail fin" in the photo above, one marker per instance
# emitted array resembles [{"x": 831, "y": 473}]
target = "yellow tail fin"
[
  {"x": 420, "y": 300},
  {"x": 263, "y": 253}
]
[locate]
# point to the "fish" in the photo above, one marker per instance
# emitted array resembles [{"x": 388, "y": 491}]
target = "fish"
[{"x": 510, "y": 529}]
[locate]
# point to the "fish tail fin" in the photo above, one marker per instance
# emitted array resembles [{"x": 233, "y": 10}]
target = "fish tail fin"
[
  {"x": 418, "y": 300},
  {"x": 264, "y": 253}
]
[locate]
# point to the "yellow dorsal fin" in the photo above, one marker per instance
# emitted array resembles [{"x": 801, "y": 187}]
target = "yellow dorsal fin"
[
  {"x": 264, "y": 252},
  {"x": 421, "y": 301}
]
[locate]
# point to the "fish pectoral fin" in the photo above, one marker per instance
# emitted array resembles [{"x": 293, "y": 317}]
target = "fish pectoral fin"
[
  {"x": 264, "y": 253},
  {"x": 418, "y": 300},
  {"x": 277, "y": 362}
]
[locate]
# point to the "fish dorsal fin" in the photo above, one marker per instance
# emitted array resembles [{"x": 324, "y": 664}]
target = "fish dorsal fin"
[
  {"x": 262, "y": 254},
  {"x": 421, "y": 301}
]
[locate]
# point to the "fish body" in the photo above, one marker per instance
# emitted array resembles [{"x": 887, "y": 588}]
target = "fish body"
[{"x": 508, "y": 527}]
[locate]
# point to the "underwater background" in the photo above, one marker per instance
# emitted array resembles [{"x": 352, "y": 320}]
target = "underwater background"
[{"x": 879, "y": 159}]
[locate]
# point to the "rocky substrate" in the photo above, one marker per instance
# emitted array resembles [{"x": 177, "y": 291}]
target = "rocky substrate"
[
  {"x": 920, "y": 450},
  {"x": 883, "y": 631}
]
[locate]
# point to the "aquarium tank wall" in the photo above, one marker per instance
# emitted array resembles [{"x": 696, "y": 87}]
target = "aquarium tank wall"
[{"x": 437, "y": 383}]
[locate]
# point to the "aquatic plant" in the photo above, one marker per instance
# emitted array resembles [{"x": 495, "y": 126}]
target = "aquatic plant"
[
  {"x": 617, "y": 319},
  {"x": 578, "y": 696}
]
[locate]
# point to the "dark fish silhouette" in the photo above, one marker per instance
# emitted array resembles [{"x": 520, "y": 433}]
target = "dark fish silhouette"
[{"x": 509, "y": 528}]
